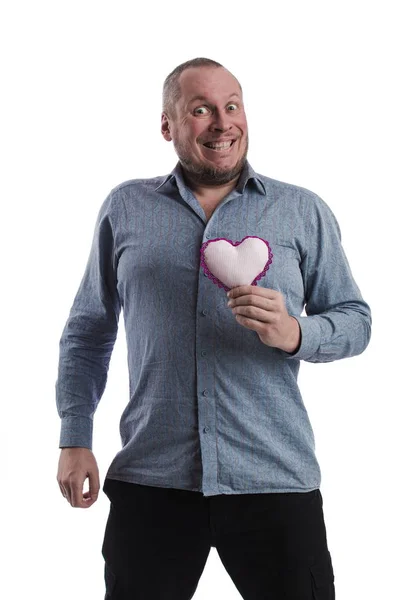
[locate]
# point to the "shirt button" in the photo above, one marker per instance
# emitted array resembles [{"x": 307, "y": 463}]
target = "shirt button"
[
  {"x": 203, "y": 353},
  {"x": 204, "y": 312},
  {"x": 206, "y": 429},
  {"x": 205, "y": 392}
]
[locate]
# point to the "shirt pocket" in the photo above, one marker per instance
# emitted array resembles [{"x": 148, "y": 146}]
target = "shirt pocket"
[{"x": 284, "y": 275}]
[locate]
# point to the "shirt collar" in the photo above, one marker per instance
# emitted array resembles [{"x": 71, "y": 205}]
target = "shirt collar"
[{"x": 246, "y": 175}]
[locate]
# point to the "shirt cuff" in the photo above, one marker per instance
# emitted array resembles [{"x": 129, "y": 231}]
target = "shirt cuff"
[
  {"x": 76, "y": 432},
  {"x": 310, "y": 332}
]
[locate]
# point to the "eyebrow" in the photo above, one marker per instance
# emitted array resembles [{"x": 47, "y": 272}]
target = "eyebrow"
[{"x": 200, "y": 97}]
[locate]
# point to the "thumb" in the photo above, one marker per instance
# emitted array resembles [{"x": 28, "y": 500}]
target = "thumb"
[{"x": 94, "y": 485}]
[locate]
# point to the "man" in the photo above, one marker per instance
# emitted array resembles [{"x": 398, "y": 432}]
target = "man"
[{"x": 217, "y": 448}]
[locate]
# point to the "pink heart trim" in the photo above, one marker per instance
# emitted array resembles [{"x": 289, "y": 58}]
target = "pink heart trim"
[{"x": 229, "y": 264}]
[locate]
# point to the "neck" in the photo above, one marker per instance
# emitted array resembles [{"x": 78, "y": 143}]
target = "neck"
[{"x": 210, "y": 191}]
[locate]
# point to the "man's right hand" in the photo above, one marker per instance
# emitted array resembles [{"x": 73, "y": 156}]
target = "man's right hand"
[{"x": 74, "y": 466}]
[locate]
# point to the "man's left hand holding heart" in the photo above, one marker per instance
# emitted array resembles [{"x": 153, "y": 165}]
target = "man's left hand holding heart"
[{"x": 263, "y": 310}]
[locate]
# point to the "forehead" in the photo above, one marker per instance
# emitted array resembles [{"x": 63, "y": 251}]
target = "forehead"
[{"x": 207, "y": 83}]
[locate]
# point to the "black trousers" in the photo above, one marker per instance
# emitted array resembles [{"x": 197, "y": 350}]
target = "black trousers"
[{"x": 157, "y": 541}]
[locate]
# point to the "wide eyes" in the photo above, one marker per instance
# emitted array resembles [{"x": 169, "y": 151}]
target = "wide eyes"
[{"x": 203, "y": 107}]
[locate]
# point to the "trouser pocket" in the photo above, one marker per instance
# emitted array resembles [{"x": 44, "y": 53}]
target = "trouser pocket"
[{"x": 323, "y": 578}]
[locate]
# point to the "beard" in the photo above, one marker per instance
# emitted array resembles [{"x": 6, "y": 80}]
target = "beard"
[{"x": 205, "y": 173}]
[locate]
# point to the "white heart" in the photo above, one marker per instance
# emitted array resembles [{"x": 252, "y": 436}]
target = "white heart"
[{"x": 236, "y": 263}]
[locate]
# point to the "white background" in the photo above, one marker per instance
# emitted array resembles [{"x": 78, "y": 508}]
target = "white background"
[{"x": 81, "y": 112}]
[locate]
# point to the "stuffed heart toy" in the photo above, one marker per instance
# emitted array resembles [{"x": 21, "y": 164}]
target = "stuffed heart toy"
[{"x": 229, "y": 264}]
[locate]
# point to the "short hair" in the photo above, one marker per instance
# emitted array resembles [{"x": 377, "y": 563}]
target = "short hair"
[{"x": 172, "y": 89}]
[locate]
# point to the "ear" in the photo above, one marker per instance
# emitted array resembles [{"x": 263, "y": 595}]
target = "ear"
[{"x": 165, "y": 130}]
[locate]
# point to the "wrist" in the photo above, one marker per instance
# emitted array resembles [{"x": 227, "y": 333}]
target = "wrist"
[{"x": 294, "y": 338}]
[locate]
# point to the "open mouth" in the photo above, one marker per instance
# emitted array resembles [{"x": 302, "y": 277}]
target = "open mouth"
[{"x": 221, "y": 147}]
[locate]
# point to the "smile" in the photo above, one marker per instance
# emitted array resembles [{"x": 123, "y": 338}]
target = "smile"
[{"x": 221, "y": 147}]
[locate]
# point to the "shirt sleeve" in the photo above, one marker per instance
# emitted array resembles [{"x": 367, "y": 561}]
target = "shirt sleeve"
[
  {"x": 88, "y": 338},
  {"x": 338, "y": 321}
]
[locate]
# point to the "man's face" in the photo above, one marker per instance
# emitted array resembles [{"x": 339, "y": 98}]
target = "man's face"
[{"x": 218, "y": 116}]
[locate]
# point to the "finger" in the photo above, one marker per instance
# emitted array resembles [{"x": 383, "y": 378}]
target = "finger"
[
  {"x": 255, "y": 290},
  {"x": 94, "y": 485},
  {"x": 245, "y": 319},
  {"x": 77, "y": 493},
  {"x": 255, "y": 325},
  {"x": 253, "y": 300},
  {"x": 252, "y": 312},
  {"x": 88, "y": 500},
  {"x": 62, "y": 489},
  {"x": 68, "y": 494}
]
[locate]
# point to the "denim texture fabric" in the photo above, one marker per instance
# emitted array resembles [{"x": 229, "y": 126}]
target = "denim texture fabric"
[{"x": 210, "y": 408}]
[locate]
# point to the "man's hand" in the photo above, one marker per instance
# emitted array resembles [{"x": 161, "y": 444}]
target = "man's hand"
[
  {"x": 264, "y": 311},
  {"x": 74, "y": 466}
]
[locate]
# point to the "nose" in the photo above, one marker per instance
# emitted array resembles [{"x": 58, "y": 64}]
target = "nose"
[{"x": 221, "y": 121}]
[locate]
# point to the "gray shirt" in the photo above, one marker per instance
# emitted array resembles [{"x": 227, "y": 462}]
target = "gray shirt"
[{"x": 211, "y": 408}]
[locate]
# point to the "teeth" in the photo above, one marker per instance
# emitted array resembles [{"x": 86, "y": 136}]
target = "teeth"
[{"x": 219, "y": 145}]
